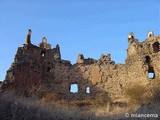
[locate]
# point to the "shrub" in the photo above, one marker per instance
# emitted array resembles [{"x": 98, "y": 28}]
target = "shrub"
[
  {"x": 152, "y": 93},
  {"x": 136, "y": 93},
  {"x": 144, "y": 94}
]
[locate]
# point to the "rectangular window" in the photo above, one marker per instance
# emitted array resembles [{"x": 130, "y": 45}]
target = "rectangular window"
[{"x": 74, "y": 88}]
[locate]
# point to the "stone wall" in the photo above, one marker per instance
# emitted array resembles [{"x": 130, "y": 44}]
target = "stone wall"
[{"x": 41, "y": 64}]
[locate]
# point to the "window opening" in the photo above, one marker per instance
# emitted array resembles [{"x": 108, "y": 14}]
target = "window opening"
[
  {"x": 150, "y": 35},
  {"x": 74, "y": 88},
  {"x": 151, "y": 74},
  {"x": 132, "y": 36},
  {"x": 48, "y": 69},
  {"x": 148, "y": 60},
  {"x": 156, "y": 47},
  {"x": 43, "y": 54},
  {"x": 88, "y": 90}
]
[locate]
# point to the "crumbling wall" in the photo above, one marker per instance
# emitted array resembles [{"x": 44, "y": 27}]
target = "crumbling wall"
[{"x": 41, "y": 64}]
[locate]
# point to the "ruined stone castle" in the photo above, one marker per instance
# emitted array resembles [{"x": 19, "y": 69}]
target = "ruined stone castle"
[{"x": 94, "y": 78}]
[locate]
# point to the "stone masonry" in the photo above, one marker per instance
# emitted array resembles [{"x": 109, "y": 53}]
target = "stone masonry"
[{"x": 43, "y": 64}]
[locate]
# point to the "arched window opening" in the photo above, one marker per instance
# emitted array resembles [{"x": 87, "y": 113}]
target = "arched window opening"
[
  {"x": 88, "y": 90},
  {"x": 148, "y": 60},
  {"x": 150, "y": 35},
  {"x": 156, "y": 47},
  {"x": 48, "y": 69},
  {"x": 151, "y": 74},
  {"x": 43, "y": 53},
  {"x": 132, "y": 36},
  {"x": 74, "y": 88}
]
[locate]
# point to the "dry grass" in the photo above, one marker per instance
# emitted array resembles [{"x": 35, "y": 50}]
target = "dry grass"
[
  {"x": 14, "y": 107},
  {"x": 19, "y": 108}
]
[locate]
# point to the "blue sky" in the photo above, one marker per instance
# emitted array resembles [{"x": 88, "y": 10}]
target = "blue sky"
[{"x": 90, "y": 27}]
